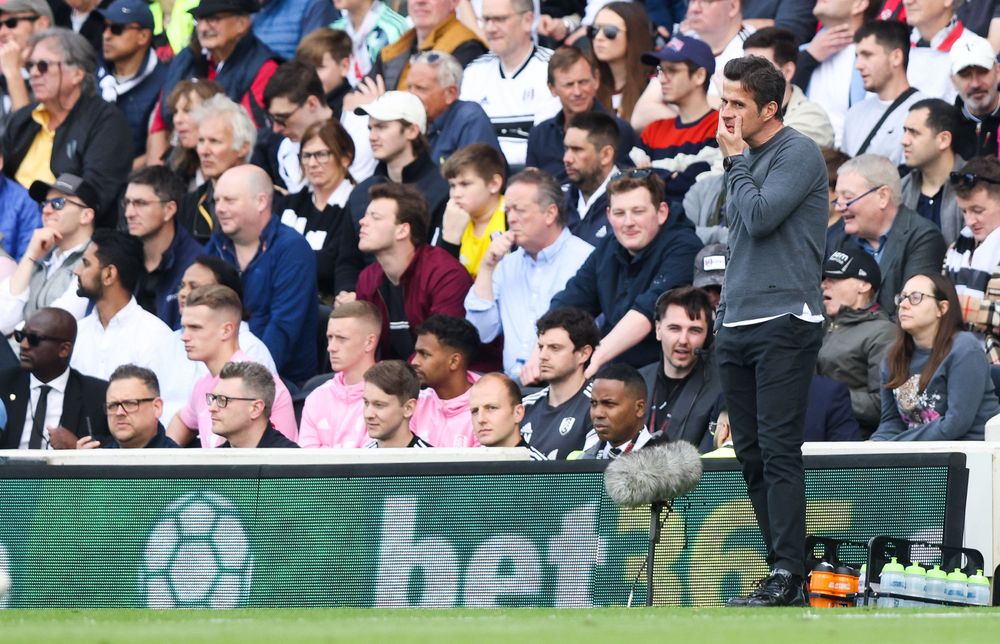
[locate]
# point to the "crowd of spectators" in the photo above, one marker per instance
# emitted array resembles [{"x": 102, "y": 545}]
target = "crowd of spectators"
[{"x": 383, "y": 224}]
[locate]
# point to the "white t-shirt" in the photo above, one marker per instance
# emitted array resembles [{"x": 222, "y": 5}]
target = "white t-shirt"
[
  {"x": 887, "y": 141},
  {"x": 830, "y": 87}
]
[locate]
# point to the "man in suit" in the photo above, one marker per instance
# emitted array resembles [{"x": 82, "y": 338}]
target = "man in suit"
[
  {"x": 869, "y": 194},
  {"x": 49, "y": 405}
]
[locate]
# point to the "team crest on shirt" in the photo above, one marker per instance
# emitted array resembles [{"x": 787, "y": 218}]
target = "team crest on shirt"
[
  {"x": 528, "y": 95},
  {"x": 566, "y": 424},
  {"x": 526, "y": 433}
]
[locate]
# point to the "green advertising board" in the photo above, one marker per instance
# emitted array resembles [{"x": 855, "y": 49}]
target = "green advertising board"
[{"x": 495, "y": 535}]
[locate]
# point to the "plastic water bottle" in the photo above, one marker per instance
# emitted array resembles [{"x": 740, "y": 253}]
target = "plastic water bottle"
[
  {"x": 956, "y": 588},
  {"x": 978, "y": 592},
  {"x": 915, "y": 580},
  {"x": 862, "y": 581},
  {"x": 892, "y": 580},
  {"x": 515, "y": 372},
  {"x": 937, "y": 579}
]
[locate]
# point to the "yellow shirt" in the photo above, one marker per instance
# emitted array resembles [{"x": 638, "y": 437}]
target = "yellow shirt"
[
  {"x": 473, "y": 248},
  {"x": 37, "y": 163}
]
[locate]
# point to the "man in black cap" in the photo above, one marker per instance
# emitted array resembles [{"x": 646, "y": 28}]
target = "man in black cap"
[
  {"x": 710, "y": 272},
  {"x": 236, "y": 59},
  {"x": 857, "y": 331},
  {"x": 44, "y": 276},
  {"x": 130, "y": 75}
]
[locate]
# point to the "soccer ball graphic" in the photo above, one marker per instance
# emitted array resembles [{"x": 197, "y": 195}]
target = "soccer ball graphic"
[{"x": 197, "y": 555}]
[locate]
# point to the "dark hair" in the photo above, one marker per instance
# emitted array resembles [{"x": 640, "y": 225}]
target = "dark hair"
[
  {"x": 565, "y": 57},
  {"x": 395, "y": 378},
  {"x": 257, "y": 381},
  {"x": 164, "y": 182},
  {"x": 639, "y": 40},
  {"x": 513, "y": 391},
  {"x": 900, "y": 353},
  {"x": 456, "y": 333},
  {"x": 889, "y": 34},
  {"x": 321, "y": 41},
  {"x": 601, "y": 129},
  {"x": 411, "y": 208},
  {"x": 577, "y": 323},
  {"x": 181, "y": 160},
  {"x": 833, "y": 158},
  {"x": 781, "y": 41},
  {"x": 225, "y": 273},
  {"x": 126, "y": 371},
  {"x": 941, "y": 115},
  {"x": 549, "y": 192},
  {"x": 693, "y": 300},
  {"x": 635, "y": 386},
  {"x": 484, "y": 160},
  {"x": 124, "y": 252},
  {"x": 631, "y": 180},
  {"x": 760, "y": 78},
  {"x": 335, "y": 137},
  {"x": 295, "y": 81},
  {"x": 988, "y": 167}
]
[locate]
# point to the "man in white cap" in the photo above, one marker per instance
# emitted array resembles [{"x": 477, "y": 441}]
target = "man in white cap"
[{"x": 975, "y": 73}]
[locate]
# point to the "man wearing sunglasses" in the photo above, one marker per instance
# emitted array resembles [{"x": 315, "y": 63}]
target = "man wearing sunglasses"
[
  {"x": 49, "y": 404},
  {"x": 18, "y": 20},
  {"x": 44, "y": 276},
  {"x": 133, "y": 407},
  {"x": 130, "y": 74}
]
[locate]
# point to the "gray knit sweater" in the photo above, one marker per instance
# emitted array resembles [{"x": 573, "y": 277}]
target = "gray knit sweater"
[{"x": 777, "y": 213}]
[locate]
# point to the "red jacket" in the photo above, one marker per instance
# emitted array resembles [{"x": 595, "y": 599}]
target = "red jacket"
[{"x": 434, "y": 282}]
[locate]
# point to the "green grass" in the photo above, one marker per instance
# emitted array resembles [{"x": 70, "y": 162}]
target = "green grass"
[{"x": 525, "y": 626}]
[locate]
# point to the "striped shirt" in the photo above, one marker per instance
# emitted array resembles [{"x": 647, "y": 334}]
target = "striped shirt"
[
  {"x": 416, "y": 441},
  {"x": 666, "y": 138},
  {"x": 532, "y": 452}
]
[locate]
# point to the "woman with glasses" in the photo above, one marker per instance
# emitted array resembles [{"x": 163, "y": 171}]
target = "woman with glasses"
[
  {"x": 619, "y": 37},
  {"x": 317, "y": 211},
  {"x": 936, "y": 382}
]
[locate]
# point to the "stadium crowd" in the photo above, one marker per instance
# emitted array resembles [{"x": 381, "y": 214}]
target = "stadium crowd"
[{"x": 496, "y": 223}]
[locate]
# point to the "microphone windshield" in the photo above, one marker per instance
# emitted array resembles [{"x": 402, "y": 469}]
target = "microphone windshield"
[{"x": 655, "y": 474}]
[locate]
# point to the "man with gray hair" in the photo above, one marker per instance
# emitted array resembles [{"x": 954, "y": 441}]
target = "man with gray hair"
[
  {"x": 869, "y": 197},
  {"x": 510, "y": 81},
  {"x": 21, "y": 19},
  {"x": 241, "y": 404},
  {"x": 83, "y": 135},
  {"x": 435, "y": 78},
  {"x": 226, "y": 137},
  {"x": 513, "y": 289}
]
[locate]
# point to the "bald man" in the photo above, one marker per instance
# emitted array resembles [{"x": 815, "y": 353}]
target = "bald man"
[
  {"x": 50, "y": 405},
  {"x": 497, "y": 412},
  {"x": 278, "y": 268}
]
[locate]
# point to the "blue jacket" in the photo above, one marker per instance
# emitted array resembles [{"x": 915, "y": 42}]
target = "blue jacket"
[
  {"x": 461, "y": 124},
  {"x": 591, "y": 226},
  {"x": 157, "y": 290},
  {"x": 137, "y": 104},
  {"x": 613, "y": 282},
  {"x": 283, "y": 23},
  {"x": 279, "y": 290},
  {"x": 21, "y": 216},
  {"x": 829, "y": 415}
]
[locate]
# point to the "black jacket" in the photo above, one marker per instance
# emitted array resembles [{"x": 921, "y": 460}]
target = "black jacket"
[
  {"x": 94, "y": 142},
  {"x": 691, "y": 409},
  {"x": 975, "y": 136},
  {"x": 82, "y": 413}
]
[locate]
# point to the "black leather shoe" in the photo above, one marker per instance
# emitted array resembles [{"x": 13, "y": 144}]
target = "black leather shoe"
[{"x": 780, "y": 588}]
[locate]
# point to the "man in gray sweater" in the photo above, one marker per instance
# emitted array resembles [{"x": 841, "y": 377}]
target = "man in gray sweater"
[{"x": 769, "y": 321}]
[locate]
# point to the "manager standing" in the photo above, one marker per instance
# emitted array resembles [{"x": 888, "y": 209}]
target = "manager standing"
[{"x": 769, "y": 320}]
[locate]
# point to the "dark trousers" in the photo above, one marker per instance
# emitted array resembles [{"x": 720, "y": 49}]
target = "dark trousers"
[{"x": 765, "y": 370}]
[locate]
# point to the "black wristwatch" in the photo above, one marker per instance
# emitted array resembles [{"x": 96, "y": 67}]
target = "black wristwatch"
[{"x": 728, "y": 161}]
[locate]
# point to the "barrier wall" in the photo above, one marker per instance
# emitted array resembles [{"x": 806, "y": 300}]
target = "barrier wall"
[{"x": 457, "y": 534}]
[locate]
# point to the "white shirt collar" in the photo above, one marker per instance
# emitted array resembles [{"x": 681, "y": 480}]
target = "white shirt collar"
[{"x": 58, "y": 383}]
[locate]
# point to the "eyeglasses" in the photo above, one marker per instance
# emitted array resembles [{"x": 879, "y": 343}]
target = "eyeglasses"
[
  {"x": 282, "y": 119},
  {"x": 610, "y": 31},
  {"x": 12, "y": 22},
  {"x": 915, "y": 298},
  {"x": 128, "y": 406},
  {"x": 42, "y": 65},
  {"x": 223, "y": 401},
  {"x": 837, "y": 203},
  {"x": 428, "y": 57},
  {"x": 968, "y": 180},
  {"x": 320, "y": 156},
  {"x": 117, "y": 29},
  {"x": 485, "y": 21},
  {"x": 35, "y": 339},
  {"x": 139, "y": 204},
  {"x": 58, "y": 203}
]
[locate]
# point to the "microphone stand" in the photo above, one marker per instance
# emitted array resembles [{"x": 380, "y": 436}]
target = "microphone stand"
[{"x": 655, "y": 525}]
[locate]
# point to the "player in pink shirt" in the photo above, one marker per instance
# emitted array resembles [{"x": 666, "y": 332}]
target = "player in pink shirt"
[
  {"x": 211, "y": 322},
  {"x": 333, "y": 414},
  {"x": 445, "y": 347}
]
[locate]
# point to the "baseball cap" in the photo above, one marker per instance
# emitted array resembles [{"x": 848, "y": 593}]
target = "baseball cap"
[
  {"x": 710, "y": 266},
  {"x": 212, "y": 7},
  {"x": 69, "y": 185},
  {"x": 126, "y": 12},
  {"x": 971, "y": 51},
  {"x": 397, "y": 106},
  {"x": 853, "y": 262},
  {"x": 680, "y": 49},
  {"x": 37, "y": 7}
]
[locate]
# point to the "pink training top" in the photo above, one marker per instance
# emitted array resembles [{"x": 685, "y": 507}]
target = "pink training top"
[
  {"x": 196, "y": 414},
  {"x": 333, "y": 416},
  {"x": 444, "y": 423}
]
